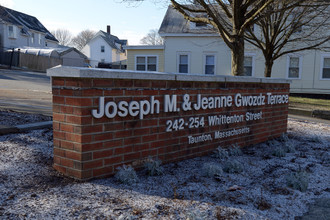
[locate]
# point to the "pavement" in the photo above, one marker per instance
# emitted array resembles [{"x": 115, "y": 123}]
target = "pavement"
[{"x": 25, "y": 91}]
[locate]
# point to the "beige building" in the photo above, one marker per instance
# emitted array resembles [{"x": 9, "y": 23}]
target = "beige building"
[{"x": 145, "y": 58}]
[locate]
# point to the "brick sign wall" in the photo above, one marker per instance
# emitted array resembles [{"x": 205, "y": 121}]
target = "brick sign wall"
[{"x": 104, "y": 119}]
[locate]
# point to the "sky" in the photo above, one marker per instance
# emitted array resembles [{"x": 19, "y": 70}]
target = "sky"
[{"x": 127, "y": 21}]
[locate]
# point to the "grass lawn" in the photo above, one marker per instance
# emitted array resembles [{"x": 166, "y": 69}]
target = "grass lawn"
[{"x": 309, "y": 103}]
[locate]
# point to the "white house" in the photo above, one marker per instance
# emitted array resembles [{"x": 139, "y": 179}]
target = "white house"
[
  {"x": 104, "y": 48},
  {"x": 197, "y": 49},
  {"x": 18, "y": 30}
]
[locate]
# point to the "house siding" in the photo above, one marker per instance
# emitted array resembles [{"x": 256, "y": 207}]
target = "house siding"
[
  {"x": 93, "y": 51},
  {"x": 72, "y": 59},
  {"x": 183, "y": 37},
  {"x": 196, "y": 47},
  {"x": 309, "y": 82},
  {"x": 22, "y": 40},
  {"x": 51, "y": 44}
]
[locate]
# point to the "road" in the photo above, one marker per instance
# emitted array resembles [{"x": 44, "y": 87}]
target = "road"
[{"x": 25, "y": 91}]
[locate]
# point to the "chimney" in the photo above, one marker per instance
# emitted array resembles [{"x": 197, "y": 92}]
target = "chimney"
[{"x": 108, "y": 29}]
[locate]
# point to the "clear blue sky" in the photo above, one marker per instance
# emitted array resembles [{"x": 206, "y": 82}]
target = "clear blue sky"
[{"x": 127, "y": 21}]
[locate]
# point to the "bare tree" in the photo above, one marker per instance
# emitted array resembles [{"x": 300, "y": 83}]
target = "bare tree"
[
  {"x": 304, "y": 27},
  {"x": 152, "y": 38},
  {"x": 63, "y": 36},
  {"x": 82, "y": 38},
  {"x": 229, "y": 18}
]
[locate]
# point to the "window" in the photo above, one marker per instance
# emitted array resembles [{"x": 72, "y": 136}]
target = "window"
[
  {"x": 146, "y": 63},
  {"x": 39, "y": 37},
  {"x": 183, "y": 63},
  {"x": 325, "y": 67},
  {"x": 209, "y": 68},
  {"x": 141, "y": 63},
  {"x": 152, "y": 63},
  {"x": 24, "y": 32},
  {"x": 102, "y": 49},
  {"x": 11, "y": 31},
  {"x": 294, "y": 67},
  {"x": 32, "y": 38},
  {"x": 201, "y": 24},
  {"x": 248, "y": 66}
]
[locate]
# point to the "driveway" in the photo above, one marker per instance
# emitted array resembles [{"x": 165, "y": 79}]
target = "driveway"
[{"x": 25, "y": 91}]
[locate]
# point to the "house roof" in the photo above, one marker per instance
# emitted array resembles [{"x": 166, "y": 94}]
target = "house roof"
[
  {"x": 62, "y": 50},
  {"x": 111, "y": 40},
  {"x": 27, "y": 21},
  {"x": 47, "y": 52},
  {"x": 144, "y": 47},
  {"x": 175, "y": 23}
]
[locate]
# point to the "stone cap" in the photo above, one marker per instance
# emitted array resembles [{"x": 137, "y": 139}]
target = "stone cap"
[{"x": 82, "y": 72}]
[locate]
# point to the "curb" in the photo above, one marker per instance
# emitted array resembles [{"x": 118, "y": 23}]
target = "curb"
[
  {"x": 321, "y": 114},
  {"x": 26, "y": 127},
  {"x": 7, "y": 129},
  {"x": 310, "y": 113},
  {"x": 302, "y": 112}
]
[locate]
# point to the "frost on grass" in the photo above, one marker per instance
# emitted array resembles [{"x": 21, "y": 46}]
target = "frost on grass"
[
  {"x": 289, "y": 144},
  {"x": 221, "y": 153},
  {"x": 298, "y": 180},
  {"x": 325, "y": 158},
  {"x": 224, "y": 154},
  {"x": 196, "y": 215},
  {"x": 126, "y": 174},
  {"x": 31, "y": 189},
  {"x": 233, "y": 166},
  {"x": 279, "y": 152},
  {"x": 235, "y": 150},
  {"x": 212, "y": 170},
  {"x": 127, "y": 217},
  {"x": 154, "y": 167}
]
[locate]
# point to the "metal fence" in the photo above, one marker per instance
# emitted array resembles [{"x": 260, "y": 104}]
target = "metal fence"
[{"x": 9, "y": 57}]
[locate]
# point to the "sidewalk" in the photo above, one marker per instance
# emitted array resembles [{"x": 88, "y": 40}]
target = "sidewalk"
[{"x": 26, "y": 127}]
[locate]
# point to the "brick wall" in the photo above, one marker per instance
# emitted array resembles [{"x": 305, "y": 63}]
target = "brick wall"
[{"x": 86, "y": 147}]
